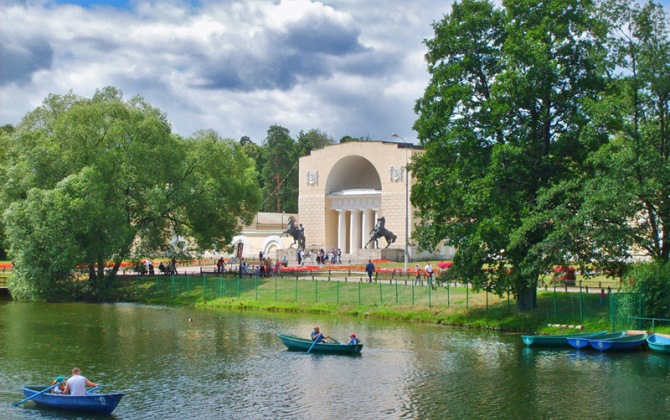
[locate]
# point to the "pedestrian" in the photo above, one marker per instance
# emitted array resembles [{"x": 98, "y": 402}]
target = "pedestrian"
[
  {"x": 418, "y": 279},
  {"x": 429, "y": 274},
  {"x": 299, "y": 256},
  {"x": 370, "y": 268},
  {"x": 602, "y": 296}
]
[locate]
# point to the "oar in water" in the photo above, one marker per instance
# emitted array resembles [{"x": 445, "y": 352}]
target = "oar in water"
[
  {"x": 34, "y": 395},
  {"x": 93, "y": 389},
  {"x": 316, "y": 339}
]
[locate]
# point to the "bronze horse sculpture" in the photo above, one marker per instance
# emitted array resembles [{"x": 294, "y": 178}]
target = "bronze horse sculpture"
[
  {"x": 380, "y": 231},
  {"x": 298, "y": 233}
]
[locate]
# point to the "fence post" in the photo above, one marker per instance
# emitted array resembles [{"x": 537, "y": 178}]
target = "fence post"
[
  {"x": 381, "y": 296},
  {"x": 359, "y": 293},
  {"x": 204, "y": 289},
  {"x": 430, "y": 297},
  {"x": 396, "y": 291},
  {"x": 296, "y": 289},
  {"x": 555, "y": 305},
  {"x": 275, "y": 290},
  {"x": 239, "y": 287},
  {"x": 467, "y": 295},
  {"x": 581, "y": 303},
  {"x": 412, "y": 294},
  {"x": 188, "y": 286},
  {"x": 337, "y": 292},
  {"x": 487, "y": 299},
  {"x": 316, "y": 292},
  {"x": 172, "y": 278},
  {"x": 220, "y": 287},
  {"x": 448, "y": 285},
  {"x": 256, "y": 286}
]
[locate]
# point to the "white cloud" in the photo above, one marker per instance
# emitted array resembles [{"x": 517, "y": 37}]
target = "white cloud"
[{"x": 344, "y": 67}]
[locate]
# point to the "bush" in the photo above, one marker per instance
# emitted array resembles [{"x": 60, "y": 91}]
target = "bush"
[{"x": 653, "y": 281}]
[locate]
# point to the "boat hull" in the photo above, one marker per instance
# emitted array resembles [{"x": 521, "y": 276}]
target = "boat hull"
[
  {"x": 555, "y": 340},
  {"x": 628, "y": 342},
  {"x": 583, "y": 342},
  {"x": 302, "y": 344},
  {"x": 89, "y": 403},
  {"x": 659, "y": 343}
]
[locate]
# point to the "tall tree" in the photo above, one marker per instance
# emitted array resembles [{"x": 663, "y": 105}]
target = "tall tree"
[
  {"x": 92, "y": 181},
  {"x": 280, "y": 173},
  {"x": 622, "y": 207},
  {"x": 312, "y": 140},
  {"x": 500, "y": 121}
]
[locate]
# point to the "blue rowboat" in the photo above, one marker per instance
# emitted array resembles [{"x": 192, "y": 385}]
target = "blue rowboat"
[
  {"x": 627, "y": 342},
  {"x": 659, "y": 343},
  {"x": 556, "y": 340},
  {"x": 581, "y": 342},
  {"x": 304, "y": 344},
  {"x": 89, "y": 403}
]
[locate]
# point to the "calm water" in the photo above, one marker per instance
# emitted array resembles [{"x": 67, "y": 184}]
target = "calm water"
[{"x": 231, "y": 365}]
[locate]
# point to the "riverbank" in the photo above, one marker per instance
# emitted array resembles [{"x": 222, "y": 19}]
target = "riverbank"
[{"x": 388, "y": 300}]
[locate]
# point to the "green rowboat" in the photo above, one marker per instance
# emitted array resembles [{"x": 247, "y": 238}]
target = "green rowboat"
[
  {"x": 556, "y": 340},
  {"x": 304, "y": 344}
]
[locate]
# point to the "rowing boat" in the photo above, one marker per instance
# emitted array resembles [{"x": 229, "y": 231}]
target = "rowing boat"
[
  {"x": 627, "y": 342},
  {"x": 581, "y": 342},
  {"x": 659, "y": 343},
  {"x": 304, "y": 344},
  {"x": 556, "y": 340},
  {"x": 89, "y": 403}
]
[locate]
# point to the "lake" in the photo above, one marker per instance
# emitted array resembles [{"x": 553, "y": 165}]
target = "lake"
[{"x": 191, "y": 363}]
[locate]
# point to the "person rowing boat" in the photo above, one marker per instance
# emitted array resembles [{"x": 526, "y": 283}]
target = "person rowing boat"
[{"x": 317, "y": 336}]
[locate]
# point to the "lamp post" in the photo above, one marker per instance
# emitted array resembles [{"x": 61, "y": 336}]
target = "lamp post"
[{"x": 406, "y": 201}]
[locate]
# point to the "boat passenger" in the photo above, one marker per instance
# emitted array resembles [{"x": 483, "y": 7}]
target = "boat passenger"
[
  {"x": 318, "y": 336},
  {"x": 77, "y": 384},
  {"x": 353, "y": 340},
  {"x": 61, "y": 385}
]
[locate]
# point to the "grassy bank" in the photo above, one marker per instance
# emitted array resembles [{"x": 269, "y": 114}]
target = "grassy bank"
[{"x": 457, "y": 306}]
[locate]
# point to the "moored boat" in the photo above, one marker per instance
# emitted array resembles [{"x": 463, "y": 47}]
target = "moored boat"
[
  {"x": 556, "y": 340},
  {"x": 89, "y": 403},
  {"x": 581, "y": 342},
  {"x": 627, "y": 342},
  {"x": 659, "y": 343},
  {"x": 304, "y": 344}
]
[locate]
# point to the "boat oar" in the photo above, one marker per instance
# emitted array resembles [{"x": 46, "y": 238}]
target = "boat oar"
[
  {"x": 93, "y": 389},
  {"x": 35, "y": 395},
  {"x": 315, "y": 341}
]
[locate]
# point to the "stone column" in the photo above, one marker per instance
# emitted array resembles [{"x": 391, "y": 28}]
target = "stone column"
[
  {"x": 368, "y": 224},
  {"x": 342, "y": 230},
  {"x": 355, "y": 231}
]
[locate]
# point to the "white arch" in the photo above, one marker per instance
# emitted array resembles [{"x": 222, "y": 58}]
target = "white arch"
[{"x": 270, "y": 242}]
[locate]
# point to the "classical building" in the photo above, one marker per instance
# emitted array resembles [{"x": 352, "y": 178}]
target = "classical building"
[{"x": 344, "y": 189}]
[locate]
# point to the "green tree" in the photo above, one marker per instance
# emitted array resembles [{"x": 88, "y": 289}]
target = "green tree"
[
  {"x": 312, "y": 140},
  {"x": 619, "y": 205},
  {"x": 280, "y": 171},
  {"x": 88, "y": 182},
  {"x": 500, "y": 121}
]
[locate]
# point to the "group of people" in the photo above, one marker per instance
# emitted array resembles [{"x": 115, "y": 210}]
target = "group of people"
[
  {"x": 171, "y": 268},
  {"x": 318, "y": 337},
  {"x": 428, "y": 271},
  {"x": 75, "y": 385}
]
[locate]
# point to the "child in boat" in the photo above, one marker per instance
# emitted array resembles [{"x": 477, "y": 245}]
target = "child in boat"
[
  {"x": 61, "y": 385},
  {"x": 353, "y": 340}
]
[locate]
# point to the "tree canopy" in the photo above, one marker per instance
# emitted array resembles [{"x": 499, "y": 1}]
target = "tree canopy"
[
  {"x": 501, "y": 122},
  {"x": 87, "y": 183}
]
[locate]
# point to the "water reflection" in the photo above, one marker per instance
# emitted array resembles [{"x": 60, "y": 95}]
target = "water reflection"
[{"x": 187, "y": 363}]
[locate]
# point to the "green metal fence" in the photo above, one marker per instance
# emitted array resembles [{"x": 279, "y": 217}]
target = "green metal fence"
[{"x": 554, "y": 305}]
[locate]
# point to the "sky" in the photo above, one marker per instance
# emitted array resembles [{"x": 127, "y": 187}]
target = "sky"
[{"x": 344, "y": 67}]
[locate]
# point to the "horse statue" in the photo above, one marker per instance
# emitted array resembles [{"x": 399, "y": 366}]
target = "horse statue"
[
  {"x": 298, "y": 233},
  {"x": 380, "y": 231}
]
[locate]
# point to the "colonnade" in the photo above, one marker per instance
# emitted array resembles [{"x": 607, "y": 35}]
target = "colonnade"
[{"x": 353, "y": 229}]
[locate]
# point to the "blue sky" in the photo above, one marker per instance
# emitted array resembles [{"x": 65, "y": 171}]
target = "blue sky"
[{"x": 346, "y": 67}]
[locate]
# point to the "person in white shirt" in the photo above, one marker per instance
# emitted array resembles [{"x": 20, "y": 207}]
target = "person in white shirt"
[
  {"x": 77, "y": 384},
  {"x": 429, "y": 274}
]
